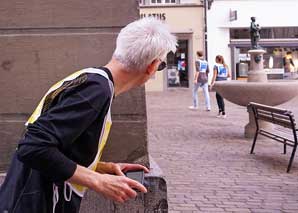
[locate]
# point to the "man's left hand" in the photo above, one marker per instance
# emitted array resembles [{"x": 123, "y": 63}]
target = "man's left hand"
[{"x": 119, "y": 168}]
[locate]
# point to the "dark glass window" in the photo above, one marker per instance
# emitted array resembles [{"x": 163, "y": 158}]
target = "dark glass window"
[
  {"x": 177, "y": 69},
  {"x": 163, "y": 1},
  {"x": 267, "y": 33}
]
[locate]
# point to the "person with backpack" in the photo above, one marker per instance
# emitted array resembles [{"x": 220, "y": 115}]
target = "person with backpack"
[{"x": 201, "y": 80}]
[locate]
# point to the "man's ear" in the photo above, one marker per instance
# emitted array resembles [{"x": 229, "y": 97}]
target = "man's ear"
[{"x": 152, "y": 67}]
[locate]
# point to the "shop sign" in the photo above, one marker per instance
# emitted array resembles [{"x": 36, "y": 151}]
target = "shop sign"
[
  {"x": 160, "y": 16},
  {"x": 233, "y": 15}
]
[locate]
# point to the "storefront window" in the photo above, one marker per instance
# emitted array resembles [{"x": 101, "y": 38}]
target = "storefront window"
[
  {"x": 170, "y": 1},
  {"x": 177, "y": 72},
  {"x": 164, "y": 1},
  {"x": 279, "y": 60},
  {"x": 274, "y": 61},
  {"x": 266, "y": 33}
]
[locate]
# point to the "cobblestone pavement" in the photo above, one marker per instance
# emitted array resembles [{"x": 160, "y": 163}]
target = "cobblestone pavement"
[{"x": 206, "y": 160}]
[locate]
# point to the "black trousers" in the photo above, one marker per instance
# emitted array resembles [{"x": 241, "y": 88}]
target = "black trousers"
[{"x": 220, "y": 103}]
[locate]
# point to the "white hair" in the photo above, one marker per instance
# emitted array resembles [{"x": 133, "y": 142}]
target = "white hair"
[{"x": 143, "y": 41}]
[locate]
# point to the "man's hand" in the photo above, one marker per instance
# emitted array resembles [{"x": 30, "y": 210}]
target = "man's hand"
[
  {"x": 125, "y": 167},
  {"x": 118, "y": 168},
  {"x": 117, "y": 188}
]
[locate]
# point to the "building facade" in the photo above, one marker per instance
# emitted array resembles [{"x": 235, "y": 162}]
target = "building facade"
[
  {"x": 186, "y": 20},
  {"x": 228, "y": 23}
]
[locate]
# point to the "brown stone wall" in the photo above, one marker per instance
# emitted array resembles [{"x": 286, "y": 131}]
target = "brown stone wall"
[{"x": 42, "y": 42}]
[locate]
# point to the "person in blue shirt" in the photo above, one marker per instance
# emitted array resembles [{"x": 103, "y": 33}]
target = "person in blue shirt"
[
  {"x": 221, "y": 72},
  {"x": 201, "y": 80},
  {"x": 59, "y": 155}
]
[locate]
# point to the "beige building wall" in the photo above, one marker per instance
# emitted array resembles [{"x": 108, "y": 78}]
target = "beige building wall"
[{"x": 186, "y": 22}]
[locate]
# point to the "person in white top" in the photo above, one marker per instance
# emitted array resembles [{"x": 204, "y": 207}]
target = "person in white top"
[
  {"x": 221, "y": 72},
  {"x": 201, "y": 80}
]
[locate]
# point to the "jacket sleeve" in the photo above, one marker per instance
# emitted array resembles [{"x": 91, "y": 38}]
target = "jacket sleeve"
[{"x": 43, "y": 145}]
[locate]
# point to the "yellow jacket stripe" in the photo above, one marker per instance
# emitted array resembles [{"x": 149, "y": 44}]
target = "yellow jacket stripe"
[{"x": 80, "y": 190}]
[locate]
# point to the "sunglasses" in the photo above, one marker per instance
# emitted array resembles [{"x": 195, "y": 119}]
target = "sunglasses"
[{"x": 162, "y": 66}]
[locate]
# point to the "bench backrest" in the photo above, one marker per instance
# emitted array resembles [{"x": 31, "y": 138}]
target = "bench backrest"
[{"x": 273, "y": 115}]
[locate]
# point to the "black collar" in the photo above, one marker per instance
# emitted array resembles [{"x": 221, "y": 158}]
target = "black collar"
[
  {"x": 106, "y": 70},
  {"x": 108, "y": 73}
]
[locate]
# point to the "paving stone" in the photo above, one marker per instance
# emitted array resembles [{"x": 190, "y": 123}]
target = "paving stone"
[{"x": 206, "y": 160}]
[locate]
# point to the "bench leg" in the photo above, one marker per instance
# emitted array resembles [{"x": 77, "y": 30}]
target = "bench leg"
[
  {"x": 285, "y": 147},
  {"x": 254, "y": 143},
  {"x": 292, "y": 158}
]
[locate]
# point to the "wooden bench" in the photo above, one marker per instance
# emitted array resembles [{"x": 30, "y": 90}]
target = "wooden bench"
[{"x": 286, "y": 131}]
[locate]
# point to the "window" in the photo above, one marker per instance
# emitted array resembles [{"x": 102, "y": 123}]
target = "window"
[
  {"x": 266, "y": 33},
  {"x": 164, "y": 1},
  {"x": 170, "y": 1},
  {"x": 156, "y": 1}
]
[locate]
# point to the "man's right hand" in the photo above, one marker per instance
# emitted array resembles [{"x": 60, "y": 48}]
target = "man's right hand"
[{"x": 117, "y": 188}]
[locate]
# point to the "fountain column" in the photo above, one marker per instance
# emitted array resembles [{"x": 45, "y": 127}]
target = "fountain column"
[{"x": 255, "y": 74}]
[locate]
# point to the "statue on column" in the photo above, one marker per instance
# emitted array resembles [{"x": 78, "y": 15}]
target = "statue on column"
[{"x": 254, "y": 33}]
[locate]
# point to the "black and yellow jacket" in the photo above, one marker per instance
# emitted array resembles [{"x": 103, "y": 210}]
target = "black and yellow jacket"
[{"x": 70, "y": 126}]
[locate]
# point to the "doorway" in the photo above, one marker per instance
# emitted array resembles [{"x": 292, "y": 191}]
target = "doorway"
[{"x": 177, "y": 72}]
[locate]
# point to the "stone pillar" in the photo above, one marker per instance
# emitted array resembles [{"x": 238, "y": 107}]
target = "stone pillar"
[
  {"x": 153, "y": 201},
  {"x": 250, "y": 127},
  {"x": 256, "y": 72},
  {"x": 41, "y": 42}
]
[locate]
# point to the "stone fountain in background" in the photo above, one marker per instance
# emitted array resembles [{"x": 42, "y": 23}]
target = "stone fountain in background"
[{"x": 257, "y": 88}]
